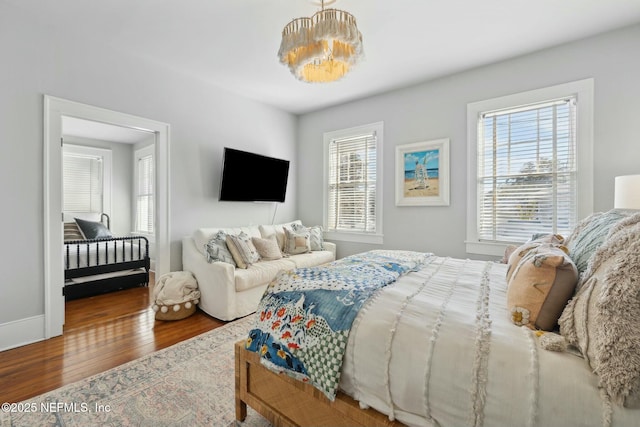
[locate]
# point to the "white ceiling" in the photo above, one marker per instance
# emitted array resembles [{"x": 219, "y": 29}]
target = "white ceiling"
[{"x": 233, "y": 43}]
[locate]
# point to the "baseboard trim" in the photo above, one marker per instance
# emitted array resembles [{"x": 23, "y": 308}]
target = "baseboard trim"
[{"x": 21, "y": 332}]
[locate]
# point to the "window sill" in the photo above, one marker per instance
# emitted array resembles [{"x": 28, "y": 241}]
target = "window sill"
[
  {"x": 375, "y": 239},
  {"x": 486, "y": 248},
  {"x": 150, "y": 237}
]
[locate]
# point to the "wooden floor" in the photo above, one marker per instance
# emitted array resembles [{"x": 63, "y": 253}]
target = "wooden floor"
[{"x": 100, "y": 333}]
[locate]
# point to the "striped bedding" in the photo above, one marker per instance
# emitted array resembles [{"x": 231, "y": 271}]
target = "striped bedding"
[{"x": 437, "y": 348}]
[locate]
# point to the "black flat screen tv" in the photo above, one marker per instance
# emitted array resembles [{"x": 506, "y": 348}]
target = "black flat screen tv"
[{"x": 250, "y": 177}]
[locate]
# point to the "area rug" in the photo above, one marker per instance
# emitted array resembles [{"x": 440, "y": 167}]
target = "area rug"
[{"x": 191, "y": 383}]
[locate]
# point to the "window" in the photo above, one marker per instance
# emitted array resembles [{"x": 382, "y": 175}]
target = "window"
[
  {"x": 353, "y": 176},
  {"x": 144, "y": 194},
  {"x": 86, "y": 173},
  {"x": 531, "y": 166}
]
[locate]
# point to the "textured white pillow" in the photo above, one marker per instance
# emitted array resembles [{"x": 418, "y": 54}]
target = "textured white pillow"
[
  {"x": 242, "y": 249},
  {"x": 297, "y": 242},
  {"x": 602, "y": 319},
  {"x": 278, "y": 231},
  {"x": 315, "y": 235},
  {"x": 268, "y": 248}
]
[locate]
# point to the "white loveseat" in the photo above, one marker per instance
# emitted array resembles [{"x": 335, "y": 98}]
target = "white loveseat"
[{"x": 228, "y": 292}]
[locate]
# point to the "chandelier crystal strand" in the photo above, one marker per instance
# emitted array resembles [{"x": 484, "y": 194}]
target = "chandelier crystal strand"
[{"x": 322, "y": 48}]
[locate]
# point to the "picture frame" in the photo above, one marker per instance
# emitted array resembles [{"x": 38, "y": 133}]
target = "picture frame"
[{"x": 422, "y": 173}]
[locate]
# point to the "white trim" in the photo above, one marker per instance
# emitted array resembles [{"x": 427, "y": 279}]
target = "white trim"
[
  {"x": 54, "y": 110},
  {"x": 583, "y": 91},
  {"x": 21, "y": 332},
  {"x": 378, "y": 129},
  {"x": 375, "y": 239},
  {"x": 137, "y": 155}
]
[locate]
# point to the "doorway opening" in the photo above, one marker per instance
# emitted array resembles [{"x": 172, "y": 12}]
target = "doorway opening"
[{"x": 69, "y": 119}]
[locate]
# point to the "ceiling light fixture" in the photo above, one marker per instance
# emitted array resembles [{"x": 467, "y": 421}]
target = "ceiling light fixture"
[{"x": 322, "y": 48}]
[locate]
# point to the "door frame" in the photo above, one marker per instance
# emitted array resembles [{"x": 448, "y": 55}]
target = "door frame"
[{"x": 54, "y": 110}]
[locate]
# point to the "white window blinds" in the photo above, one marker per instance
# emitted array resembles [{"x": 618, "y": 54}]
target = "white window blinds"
[
  {"x": 527, "y": 181},
  {"x": 351, "y": 201},
  {"x": 82, "y": 178},
  {"x": 145, "y": 194}
]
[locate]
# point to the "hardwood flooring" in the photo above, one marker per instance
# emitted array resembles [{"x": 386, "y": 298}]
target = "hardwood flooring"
[{"x": 100, "y": 333}]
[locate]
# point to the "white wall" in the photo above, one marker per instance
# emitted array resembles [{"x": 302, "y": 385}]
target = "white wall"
[
  {"x": 39, "y": 59},
  {"x": 437, "y": 109}
]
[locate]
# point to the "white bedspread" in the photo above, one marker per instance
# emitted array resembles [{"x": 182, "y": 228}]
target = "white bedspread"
[{"x": 437, "y": 348}]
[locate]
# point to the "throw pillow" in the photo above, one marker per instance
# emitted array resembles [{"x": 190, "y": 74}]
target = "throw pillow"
[
  {"x": 278, "y": 231},
  {"x": 268, "y": 248},
  {"x": 217, "y": 249},
  {"x": 518, "y": 253},
  {"x": 297, "y": 242},
  {"x": 242, "y": 249},
  {"x": 92, "y": 229},
  {"x": 315, "y": 232},
  {"x": 602, "y": 319},
  {"x": 589, "y": 234},
  {"x": 540, "y": 287},
  {"x": 72, "y": 232}
]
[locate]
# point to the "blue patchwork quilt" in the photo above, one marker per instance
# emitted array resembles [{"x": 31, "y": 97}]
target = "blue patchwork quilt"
[{"x": 303, "y": 320}]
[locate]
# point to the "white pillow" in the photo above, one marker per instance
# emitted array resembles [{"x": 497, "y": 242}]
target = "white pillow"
[
  {"x": 242, "y": 249},
  {"x": 267, "y": 248},
  {"x": 297, "y": 242}
]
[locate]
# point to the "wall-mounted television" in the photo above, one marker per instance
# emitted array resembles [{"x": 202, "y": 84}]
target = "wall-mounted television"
[{"x": 250, "y": 177}]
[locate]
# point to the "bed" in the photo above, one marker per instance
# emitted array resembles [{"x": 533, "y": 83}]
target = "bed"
[
  {"x": 103, "y": 264},
  {"x": 439, "y": 347}
]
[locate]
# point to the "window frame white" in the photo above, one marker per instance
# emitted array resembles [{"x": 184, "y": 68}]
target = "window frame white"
[
  {"x": 583, "y": 91},
  {"x": 377, "y": 237},
  {"x": 107, "y": 156},
  {"x": 138, "y": 154}
]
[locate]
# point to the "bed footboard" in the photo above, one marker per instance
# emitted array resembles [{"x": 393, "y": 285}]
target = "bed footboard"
[
  {"x": 285, "y": 401},
  {"x": 129, "y": 253}
]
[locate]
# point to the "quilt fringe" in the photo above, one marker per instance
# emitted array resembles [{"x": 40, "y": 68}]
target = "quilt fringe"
[
  {"x": 357, "y": 395},
  {"x": 481, "y": 360},
  {"x": 534, "y": 370},
  {"x": 432, "y": 342},
  {"x": 389, "y": 343}
]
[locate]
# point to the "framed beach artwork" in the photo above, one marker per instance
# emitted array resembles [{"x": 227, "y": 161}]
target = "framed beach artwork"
[{"x": 422, "y": 173}]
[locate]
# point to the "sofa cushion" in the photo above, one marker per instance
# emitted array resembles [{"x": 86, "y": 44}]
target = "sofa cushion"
[
  {"x": 277, "y": 230},
  {"x": 202, "y": 235},
  {"x": 312, "y": 259},
  {"x": 260, "y": 273}
]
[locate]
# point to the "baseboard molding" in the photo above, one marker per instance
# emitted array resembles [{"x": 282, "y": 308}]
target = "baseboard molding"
[{"x": 21, "y": 332}]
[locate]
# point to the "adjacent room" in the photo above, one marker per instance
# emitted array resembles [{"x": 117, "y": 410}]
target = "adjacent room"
[{"x": 320, "y": 212}]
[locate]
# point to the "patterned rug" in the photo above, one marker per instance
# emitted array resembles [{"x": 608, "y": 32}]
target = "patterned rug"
[{"x": 189, "y": 384}]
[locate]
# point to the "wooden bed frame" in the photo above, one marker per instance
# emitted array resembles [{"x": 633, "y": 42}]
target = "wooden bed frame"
[
  {"x": 104, "y": 285},
  {"x": 285, "y": 401}
]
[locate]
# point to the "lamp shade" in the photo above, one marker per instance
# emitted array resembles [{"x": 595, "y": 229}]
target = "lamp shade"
[{"x": 627, "y": 192}]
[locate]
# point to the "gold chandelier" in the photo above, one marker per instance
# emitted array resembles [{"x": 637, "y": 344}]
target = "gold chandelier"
[{"x": 322, "y": 48}]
